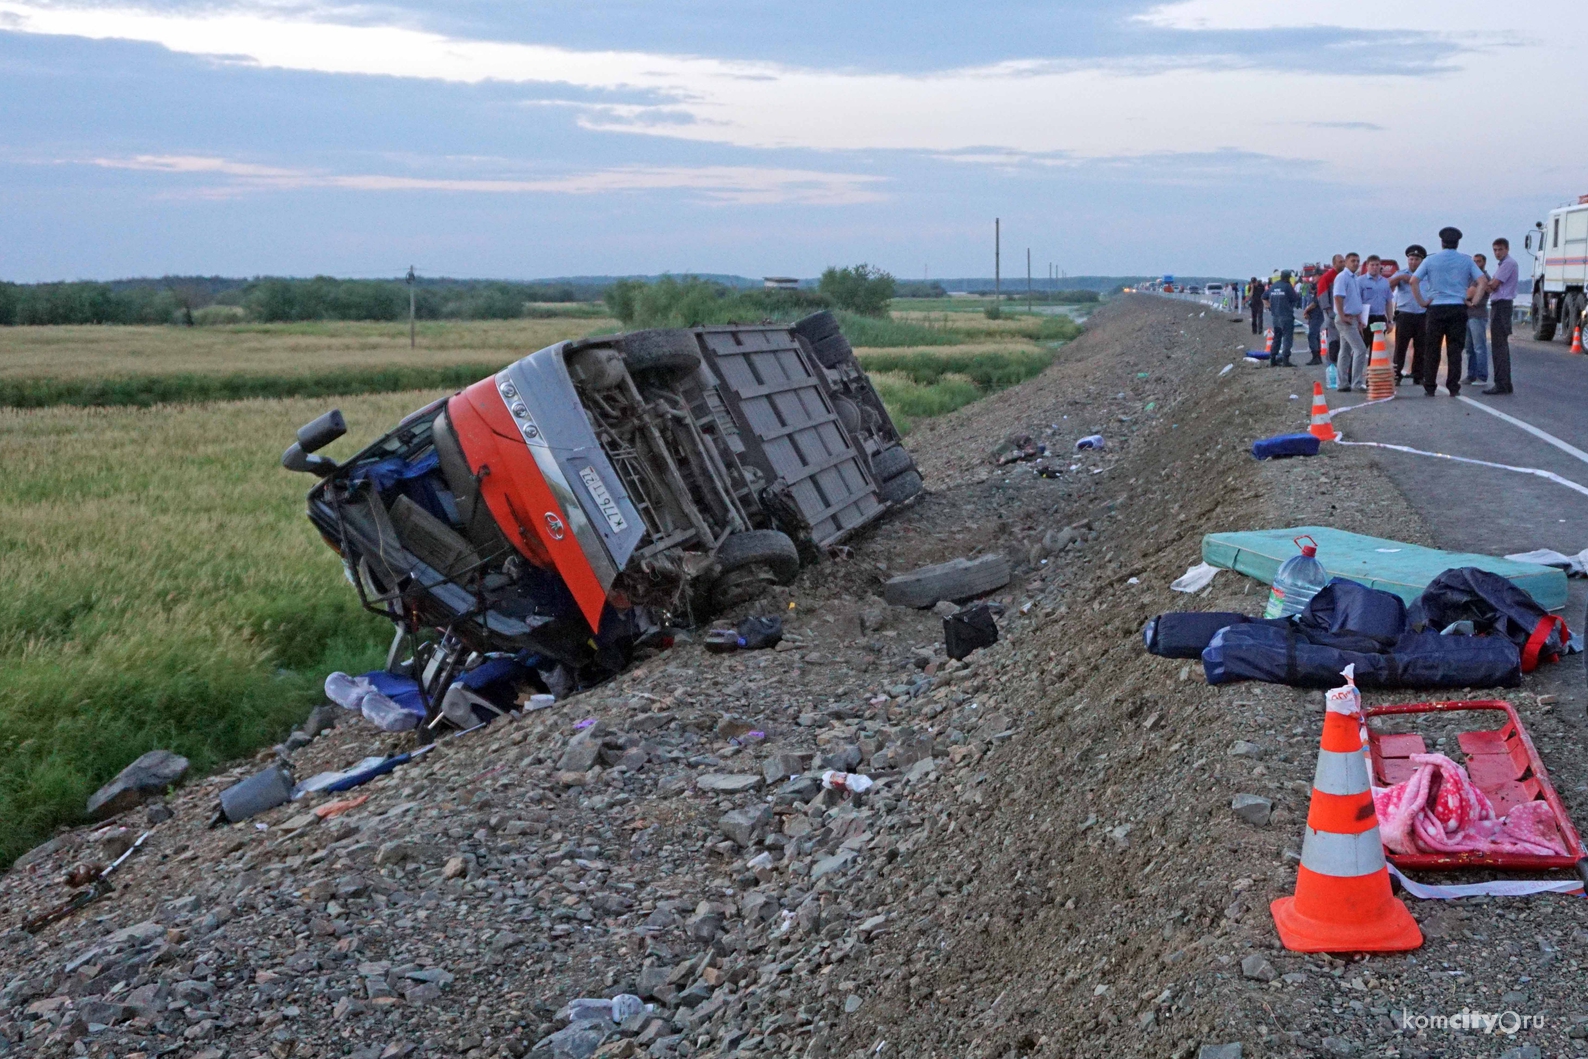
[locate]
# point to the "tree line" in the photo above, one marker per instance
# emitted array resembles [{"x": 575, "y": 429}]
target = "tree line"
[
  {"x": 275, "y": 300},
  {"x": 689, "y": 300}
]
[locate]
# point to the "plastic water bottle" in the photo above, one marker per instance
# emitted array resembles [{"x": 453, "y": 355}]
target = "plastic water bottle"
[
  {"x": 1298, "y": 580},
  {"x": 1331, "y": 377},
  {"x": 347, "y": 692},
  {"x": 386, "y": 714}
]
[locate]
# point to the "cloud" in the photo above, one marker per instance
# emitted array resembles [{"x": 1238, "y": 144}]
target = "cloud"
[
  {"x": 1157, "y": 103},
  {"x": 742, "y": 185}
]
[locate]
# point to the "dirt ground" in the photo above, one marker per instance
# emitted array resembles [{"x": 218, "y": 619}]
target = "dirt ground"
[{"x": 1048, "y": 864}]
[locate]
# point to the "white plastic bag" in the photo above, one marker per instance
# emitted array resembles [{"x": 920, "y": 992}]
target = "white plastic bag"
[
  {"x": 1195, "y": 579},
  {"x": 853, "y": 782}
]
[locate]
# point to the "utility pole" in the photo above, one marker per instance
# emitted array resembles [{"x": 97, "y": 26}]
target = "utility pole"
[
  {"x": 997, "y": 262},
  {"x": 410, "y": 307},
  {"x": 1028, "y": 279}
]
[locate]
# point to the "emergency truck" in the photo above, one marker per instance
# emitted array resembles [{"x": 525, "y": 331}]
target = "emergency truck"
[{"x": 1560, "y": 271}]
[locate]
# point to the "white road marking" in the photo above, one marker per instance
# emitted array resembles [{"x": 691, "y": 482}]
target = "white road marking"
[
  {"x": 1542, "y": 435},
  {"x": 1536, "y": 472}
]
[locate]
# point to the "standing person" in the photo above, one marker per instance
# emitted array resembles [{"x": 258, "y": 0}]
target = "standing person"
[
  {"x": 1375, "y": 295},
  {"x": 1326, "y": 296},
  {"x": 1410, "y": 317},
  {"x": 1440, "y": 284},
  {"x": 1352, "y": 364},
  {"x": 1254, "y": 299},
  {"x": 1502, "y": 297},
  {"x": 1282, "y": 301},
  {"x": 1314, "y": 315},
  {"x": 1478, "y": 324}
]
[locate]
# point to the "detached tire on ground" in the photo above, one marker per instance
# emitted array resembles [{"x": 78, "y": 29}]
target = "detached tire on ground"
[
  {"x": 672, "y": 351},
  {"x": 750, "y": 561},
  {"x": 956, "y": 580}
]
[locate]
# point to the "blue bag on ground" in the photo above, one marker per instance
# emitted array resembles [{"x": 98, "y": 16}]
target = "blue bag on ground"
[
  {"x": 1345, "y": 607},
  {"x": 1269, "y": 652},
  {"x": 1494, "y": 605},
  {"x": 1285, "y": 445},
  {"x": 1184, "y": 634}
]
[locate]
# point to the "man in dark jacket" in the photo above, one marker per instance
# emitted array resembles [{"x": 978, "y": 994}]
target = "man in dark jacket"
[
  {"x": 1282, "y": 301},
  {"x": 1254, "y": 301}
]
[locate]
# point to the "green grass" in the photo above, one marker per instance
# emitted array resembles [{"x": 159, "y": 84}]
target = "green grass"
[
  {"x": 908, "y": 401},
  {"x": 163, "y": 590},
  {"x": 919, "y": 385},
  {"x": 881, "y": 332},
  {"x": 193, "y": 388},
  {"x": 987, "y": 371}
]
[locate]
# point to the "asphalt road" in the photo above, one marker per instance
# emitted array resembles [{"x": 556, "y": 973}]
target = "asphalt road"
[{"x": 1484, "y": 509}]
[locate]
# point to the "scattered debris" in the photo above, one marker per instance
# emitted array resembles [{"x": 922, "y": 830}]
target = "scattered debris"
[
  {"x": 1195, "y": 579},
  {"x": 100, "y": 887},
  {"x": 1574, "y": 565},
  {"x": 1017, "y": 447},
  {"x": 969, "y": 630},
  {"x": 852, "y": 782},
  {"x": 254, "y": 795},
  {"x": 1285, "y": 446}
]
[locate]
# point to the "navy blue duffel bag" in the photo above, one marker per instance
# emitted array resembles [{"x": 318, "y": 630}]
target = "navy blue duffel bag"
[{"x": 1262, "y": 651}]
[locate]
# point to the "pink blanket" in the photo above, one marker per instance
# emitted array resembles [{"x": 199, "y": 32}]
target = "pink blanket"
[{"x": 1440, "y": 810}]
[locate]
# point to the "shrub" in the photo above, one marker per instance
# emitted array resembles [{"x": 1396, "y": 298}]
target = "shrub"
[
  {"x": 858, "y": 288},
  {"x": 219, "y": 315}
]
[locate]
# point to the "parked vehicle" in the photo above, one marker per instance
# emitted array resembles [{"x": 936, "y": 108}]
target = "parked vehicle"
[
  {"x": 585, "y": 496},
  {"x": 1560, "y": 271}
]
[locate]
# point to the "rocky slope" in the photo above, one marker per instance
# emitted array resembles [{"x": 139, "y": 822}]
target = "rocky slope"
[{"x": 1047, "y": 864}]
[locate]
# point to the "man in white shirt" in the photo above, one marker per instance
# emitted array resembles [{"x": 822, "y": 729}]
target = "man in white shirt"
[{"x": 1348, "y": 307}]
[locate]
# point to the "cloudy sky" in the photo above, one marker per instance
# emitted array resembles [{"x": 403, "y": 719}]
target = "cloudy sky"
[{"x": 535, "y": 138}]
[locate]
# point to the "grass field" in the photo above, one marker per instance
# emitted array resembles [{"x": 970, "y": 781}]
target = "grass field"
[
  {"x": 163, "y": 589},
  {"x": 42, "y": 366}
]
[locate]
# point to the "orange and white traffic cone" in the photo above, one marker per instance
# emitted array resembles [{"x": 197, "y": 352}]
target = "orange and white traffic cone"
[
  {"x": 1268, "y": 341},
  {"x": 1343, "y": 901},
  {"x": 1576, "y": 340},
  {"x": 1380, "y": 376},
  {"x": 1321, "y": 428}
]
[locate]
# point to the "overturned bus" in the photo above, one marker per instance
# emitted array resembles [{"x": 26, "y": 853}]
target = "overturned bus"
[{"x": 584, "y": 497}]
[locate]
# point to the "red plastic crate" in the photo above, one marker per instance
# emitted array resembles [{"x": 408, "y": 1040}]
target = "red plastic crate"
[{"x": 1502, "y": 762}]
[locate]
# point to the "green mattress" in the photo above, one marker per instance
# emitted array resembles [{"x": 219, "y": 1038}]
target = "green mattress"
[{"x": 1393, "y": 566}]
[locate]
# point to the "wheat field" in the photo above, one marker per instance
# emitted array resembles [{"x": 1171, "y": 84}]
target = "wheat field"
[{"x": 163, "y": 590}]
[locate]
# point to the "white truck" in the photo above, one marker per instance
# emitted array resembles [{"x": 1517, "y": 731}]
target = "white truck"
[{"x": 1560, "y": 271}]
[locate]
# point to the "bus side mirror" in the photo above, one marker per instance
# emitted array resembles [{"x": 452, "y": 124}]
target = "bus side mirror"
[{"x": 1528, "y": 242}]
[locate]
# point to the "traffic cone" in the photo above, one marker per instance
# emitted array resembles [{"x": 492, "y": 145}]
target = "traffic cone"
[
  {"x": 1576, "y": 340},
  {"x": 1380, "y": 376},
  {"x": 1321, "y": 428},
  {"x": 1343, "y": 901}
]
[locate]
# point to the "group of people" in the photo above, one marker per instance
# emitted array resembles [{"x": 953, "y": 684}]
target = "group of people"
[{"x": 1440, "y": 306}]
